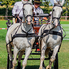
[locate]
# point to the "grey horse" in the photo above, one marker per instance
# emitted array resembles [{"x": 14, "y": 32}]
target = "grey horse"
[
  {"x": 21, "y": 44},
  {"x": 51, "y": 35}
]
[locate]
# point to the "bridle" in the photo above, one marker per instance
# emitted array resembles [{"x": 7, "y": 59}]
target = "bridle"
[
  {"x": 23, "y": 13},
  {"x": 56, "y": 17},
  {"x": 27, "y": 15}
]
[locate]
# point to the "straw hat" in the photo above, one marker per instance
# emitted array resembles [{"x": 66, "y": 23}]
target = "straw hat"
[{"x": 37, "y": 1}]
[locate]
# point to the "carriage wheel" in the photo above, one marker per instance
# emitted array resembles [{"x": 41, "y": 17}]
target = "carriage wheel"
[
  {"x": 43, "y": 64},
  {"x": 56, "y": 62},
  {"x": 9, "y": 63}
]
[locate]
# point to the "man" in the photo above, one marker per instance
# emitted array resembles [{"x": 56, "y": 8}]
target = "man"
[
  {"x": 17, "y": 11},
  {"x": 37, "y": 11}
]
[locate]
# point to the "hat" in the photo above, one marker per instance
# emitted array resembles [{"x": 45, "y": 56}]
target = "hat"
[{"x": 37, "y": 1}]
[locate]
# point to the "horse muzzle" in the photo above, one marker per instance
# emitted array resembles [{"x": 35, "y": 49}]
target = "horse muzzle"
[
  {"x": 29, "y": 20},
  {"x": 55, "y": 23}
]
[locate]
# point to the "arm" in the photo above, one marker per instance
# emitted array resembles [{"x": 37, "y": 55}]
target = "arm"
[
  {"x": 44, "y": 18},
  {"x": 14, "y": 10}
]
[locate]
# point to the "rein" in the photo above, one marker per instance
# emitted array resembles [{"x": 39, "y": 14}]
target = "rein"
[{"x": 52, "y": 12}]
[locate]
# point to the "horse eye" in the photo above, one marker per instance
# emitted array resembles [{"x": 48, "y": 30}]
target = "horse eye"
[
  {"x": 33, "y": 9},
  {"x": 23, "y": 9},
  {"x": 61, "y": 12},
  {"x": 53, "y": 10}
]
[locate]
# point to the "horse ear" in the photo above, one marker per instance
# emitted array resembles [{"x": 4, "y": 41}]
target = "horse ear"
[
  {"x": 55, "y": 1},
  {"x": 62, "y": 3}
]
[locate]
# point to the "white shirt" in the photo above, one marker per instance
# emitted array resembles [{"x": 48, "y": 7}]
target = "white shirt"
[
  {"x": 38, "y": 10},
  {"x": 17, "y": 9}
]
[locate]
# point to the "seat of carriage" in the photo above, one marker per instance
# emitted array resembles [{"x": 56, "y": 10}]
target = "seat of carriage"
[{"x": 37, "y": 26}]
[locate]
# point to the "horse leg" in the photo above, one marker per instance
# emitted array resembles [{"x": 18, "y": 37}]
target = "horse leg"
[
  {"x": 15, "y": 56},
  {"x": 52, "y": 59},
  {"x": 19, "y": 58},
  {"x": 9, "y": 47},
  {"x": 42, "y": 55},
  {"x": 27, "y": 53}
]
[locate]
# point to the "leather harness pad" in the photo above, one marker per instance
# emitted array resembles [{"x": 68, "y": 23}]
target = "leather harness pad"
[
  {"x": 34, "y": 35},
  {"x": 24, "y": 35},
  {"x": 53, "y": 32}
]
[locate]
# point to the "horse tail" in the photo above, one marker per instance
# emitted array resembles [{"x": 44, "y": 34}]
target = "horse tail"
[
  {"x": 47, "y": 51},
  {"x": 40, "y": 44}
]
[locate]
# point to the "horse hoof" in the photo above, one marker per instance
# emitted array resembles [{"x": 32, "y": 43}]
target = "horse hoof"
[
  {"x": 48, "y": 67},
  {"x": 41, "y": 68},
  {"x": 12, "y": 68}
]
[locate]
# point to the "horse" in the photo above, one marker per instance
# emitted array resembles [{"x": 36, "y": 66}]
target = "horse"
[
  {"x": 17, "y": 36},
  {"x": 51, "y": 35}
]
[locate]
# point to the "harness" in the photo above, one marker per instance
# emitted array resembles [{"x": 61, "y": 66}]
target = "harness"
[{"x": 45, "y": 33}]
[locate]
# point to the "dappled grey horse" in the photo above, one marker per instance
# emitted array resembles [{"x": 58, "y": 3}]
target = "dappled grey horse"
[
  {"x": 15, "y": 36},
  {"x": 52, "y": 35}
]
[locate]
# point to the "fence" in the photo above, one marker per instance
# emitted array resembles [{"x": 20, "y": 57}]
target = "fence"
[
  {"x": 10, "y": 17},
  {"x": 65, "y": 17},
  {"x": 3, "y": 17}
]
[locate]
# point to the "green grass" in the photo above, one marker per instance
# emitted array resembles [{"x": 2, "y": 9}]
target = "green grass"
[
  {"x": 33, "y": 64},
  {"x": 64, "y": 22}
]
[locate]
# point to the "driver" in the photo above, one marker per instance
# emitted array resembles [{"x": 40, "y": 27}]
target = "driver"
[{"x": 37, "y": 11}]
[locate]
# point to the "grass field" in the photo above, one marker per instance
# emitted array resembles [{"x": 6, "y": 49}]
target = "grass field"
[{"x": 63, "y": 55}]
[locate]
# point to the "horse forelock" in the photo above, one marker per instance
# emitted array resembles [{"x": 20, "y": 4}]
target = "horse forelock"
[{"x": 28, "y": 8}]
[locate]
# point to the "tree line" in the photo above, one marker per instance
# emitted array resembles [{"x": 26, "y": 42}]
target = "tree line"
[{"x": 45, "y": 4}]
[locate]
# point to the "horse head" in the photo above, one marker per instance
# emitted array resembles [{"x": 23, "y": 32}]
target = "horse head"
[
  {"x": 56, "y": 12},
  {"x": 27, "y": 11}
]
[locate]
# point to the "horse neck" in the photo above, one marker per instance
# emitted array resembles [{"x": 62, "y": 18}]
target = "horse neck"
[
  {"x": 26, "y": 27},
  {"x": 23, "y": 19},
  {"x": 51, "y": 25},
  {"x": 51, "y": 19}
]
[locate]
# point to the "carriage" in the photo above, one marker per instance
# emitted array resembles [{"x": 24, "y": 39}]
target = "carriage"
[{"x": 17, "y": 32}]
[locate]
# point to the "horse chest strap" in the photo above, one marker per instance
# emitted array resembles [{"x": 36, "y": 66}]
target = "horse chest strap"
[
  {"x": 56, "y": 33},
  {"x": 23, "y": 35},
  {"x": 52, "y": 32}
]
